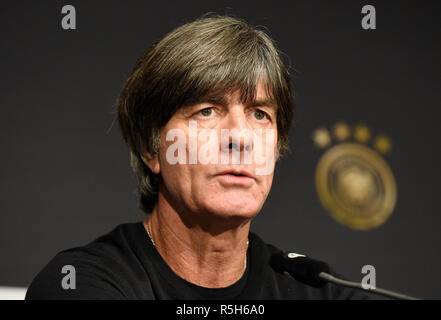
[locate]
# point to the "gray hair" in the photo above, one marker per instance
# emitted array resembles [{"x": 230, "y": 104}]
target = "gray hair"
[{"x": 205, "y": 58}]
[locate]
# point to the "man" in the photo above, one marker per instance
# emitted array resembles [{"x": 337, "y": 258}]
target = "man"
[{"x": 206, "y": 113}]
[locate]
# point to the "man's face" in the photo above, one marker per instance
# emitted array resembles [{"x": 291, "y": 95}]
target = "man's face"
[{"x": 206, "y": 173}]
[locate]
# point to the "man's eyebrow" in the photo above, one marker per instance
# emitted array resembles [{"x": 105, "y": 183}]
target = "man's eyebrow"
[
  {"x": 214, "y": 99},
  {"x": 223, "y": 101},
  {"x": 268, "y": 102}
]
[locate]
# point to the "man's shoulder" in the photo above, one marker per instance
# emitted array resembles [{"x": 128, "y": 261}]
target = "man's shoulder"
[
  {"x": 102, "y": 268},
  {"x": 109, "y": 249}
]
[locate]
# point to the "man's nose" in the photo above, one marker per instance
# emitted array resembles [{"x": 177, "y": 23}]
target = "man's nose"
[
  {"x": 240, "y": 133},
  {"x": 236, "y": 118}
]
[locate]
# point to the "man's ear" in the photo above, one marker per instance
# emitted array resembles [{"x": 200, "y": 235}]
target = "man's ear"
[{"x": 151, "y": 161}]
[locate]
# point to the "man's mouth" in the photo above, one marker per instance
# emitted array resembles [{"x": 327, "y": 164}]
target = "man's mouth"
[{"x": 236, "y": 177}]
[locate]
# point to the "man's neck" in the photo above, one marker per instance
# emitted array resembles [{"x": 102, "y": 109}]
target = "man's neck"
[{"x": 208, "y": 258}]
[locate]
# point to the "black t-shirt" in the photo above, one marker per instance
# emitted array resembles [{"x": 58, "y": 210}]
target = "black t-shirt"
[{"x": 124, "y": 264}]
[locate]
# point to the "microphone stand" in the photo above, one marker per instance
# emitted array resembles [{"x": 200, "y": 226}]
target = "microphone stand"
[{"x": 356, "y": 285}]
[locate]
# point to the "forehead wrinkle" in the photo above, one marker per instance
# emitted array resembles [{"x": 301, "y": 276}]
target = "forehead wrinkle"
[
  {"x": 235, "y": 97},
  {"x": 246, "y": 95}
]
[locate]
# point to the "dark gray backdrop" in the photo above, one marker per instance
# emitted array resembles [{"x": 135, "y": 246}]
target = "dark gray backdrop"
[{"x": 65, "y": 174}]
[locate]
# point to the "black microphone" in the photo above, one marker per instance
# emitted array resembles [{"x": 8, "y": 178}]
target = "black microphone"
[
  {"x": 300, "y": 267},
  {"x": 316, "y": 273}
]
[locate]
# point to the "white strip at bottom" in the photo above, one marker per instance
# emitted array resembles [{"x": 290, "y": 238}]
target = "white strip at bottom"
[{"x": 12, "y": 293}]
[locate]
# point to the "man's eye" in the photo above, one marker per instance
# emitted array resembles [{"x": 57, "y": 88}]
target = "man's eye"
[
  {"x": 259, "y": 114},
  {"x": 206, "y": 112}
]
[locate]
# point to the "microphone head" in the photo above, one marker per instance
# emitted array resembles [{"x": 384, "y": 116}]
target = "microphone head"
[{"x": 300, "y": 267}]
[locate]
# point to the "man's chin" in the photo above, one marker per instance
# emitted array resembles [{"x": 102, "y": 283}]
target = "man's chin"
[{"x": 234, "y": 211}]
